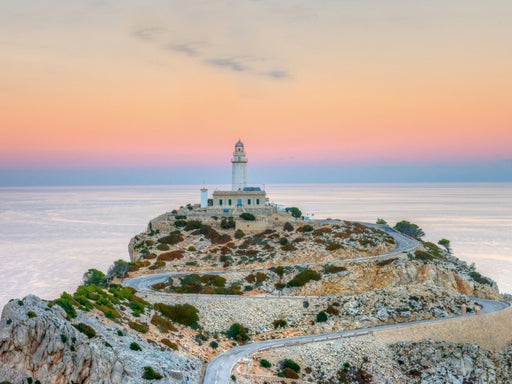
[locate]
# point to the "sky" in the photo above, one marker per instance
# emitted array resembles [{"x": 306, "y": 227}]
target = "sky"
[{"x": 158, "y": 92}]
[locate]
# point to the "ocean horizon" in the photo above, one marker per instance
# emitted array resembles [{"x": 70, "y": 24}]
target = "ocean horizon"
[{"x": 52, "y": 235}]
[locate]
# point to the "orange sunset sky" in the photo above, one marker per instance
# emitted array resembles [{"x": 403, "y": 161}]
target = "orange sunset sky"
[{"x": 170, "y": 86}]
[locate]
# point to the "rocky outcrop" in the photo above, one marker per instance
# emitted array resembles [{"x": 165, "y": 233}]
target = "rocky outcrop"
[
  {"x": 367, "y": 360},
  {"x": 370, "y": 276},
  {"x": 37, "y": 341},
  {"x": 430, "y": 362}
]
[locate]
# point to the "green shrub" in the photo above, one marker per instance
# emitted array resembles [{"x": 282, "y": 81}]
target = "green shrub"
[
  {"x": 162, "y": 247},
  {"x": 233, "y": 377},
  {"x": 321, "y": 317},
  {"x": 382, "y": 222},
  {"x": 333, "y": 246},
  {"x": 215, "y": 280},
  {"x": 409, "y": 229},
  {"x": 184, "y": 314},
  {"x": 304, "y": 277},
  {"x": 265, "y": 363},
  {"x": 8, "y": 322},
  {"x": 192, "y": 224},
  {"x": 171, "y": 239},
  {"x": 20, "y": 303},
  {"x": 66, "y": 302},
  {"x": 214, "y": 344},
  {"x": 423, "y": 256},
  {"x": 137, "y": 308},
  {"x": 93, "y": 276},
  {"x": 180, "y": 217},
  {"x": 294, "y": 211},
  {"x": 180, "y": 223},
  {"x": 288, "y": 363},
  {"x": 142, "y": 328},
  {"x": 150, "y": 374},
  {"x": 479, "y": 278},
  {"x": 135, "y": 347},
  {"x": 307, "y": 228},
  {"x": 237, "y": 332},
  {"x": 239, "y": 234},
  {"x": 170, "y": 344},
  {"x": 334, "y": 269},
  {"x": 288, "y": 227},
  {"x": 214, "y": 236},
  {"x": 162, "y": 324},
  {"x": 279, "y": 271},
  {"x": 31, "y": 314},
  {"x": 85, "y": 329},
  {"x": 279, "y": 323},
  {"x": 227, "y": 223},
  {"x": 63, "y": 338},
  {"x": 283, "y": 241},
  {"x": 120, "y": 333},
  {"x": 248, "y": 216}
]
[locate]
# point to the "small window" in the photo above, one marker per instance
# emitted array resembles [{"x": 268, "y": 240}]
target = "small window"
[
  {"x": 248, "y": 201},
  {"x": 257, "y": 201},
  {"x": 220, "y": 202},
  {"x": 229, "y": 202}
]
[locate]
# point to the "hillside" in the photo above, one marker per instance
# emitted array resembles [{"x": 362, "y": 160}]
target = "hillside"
[{"x": 198, "y": 286}]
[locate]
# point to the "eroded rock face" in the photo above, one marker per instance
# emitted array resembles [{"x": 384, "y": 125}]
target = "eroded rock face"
[
  {"x": 37, "y": 341},
  {"x": 369, "y": 276},
  {"x": 435, "y": 362}
]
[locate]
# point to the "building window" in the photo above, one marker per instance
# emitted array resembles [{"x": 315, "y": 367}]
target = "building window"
[
  {"x": 229, "y": 202},
  {"x": 248, "y": 201},
  {"x": 257, "y": 201},
  {"x": 220, "y": 202}
]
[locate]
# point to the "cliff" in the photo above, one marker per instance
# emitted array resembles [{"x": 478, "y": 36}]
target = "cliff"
[{"x": 39, "y": 342}]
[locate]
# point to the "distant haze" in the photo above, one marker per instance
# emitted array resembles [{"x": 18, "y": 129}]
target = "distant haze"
[{"x": 153, "y": 92}]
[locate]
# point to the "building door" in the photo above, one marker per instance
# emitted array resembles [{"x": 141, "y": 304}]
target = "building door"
[{"x": 239, "y": 203}]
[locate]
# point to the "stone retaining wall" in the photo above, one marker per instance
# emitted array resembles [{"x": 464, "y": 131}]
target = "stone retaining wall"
[{"x": 216, "y": 314}]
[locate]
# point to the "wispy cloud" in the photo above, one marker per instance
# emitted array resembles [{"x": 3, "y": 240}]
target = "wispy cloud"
[
  {"x": 192, "y": 49},
  {"x": 248, "y": 64},
  {"x": 237, "y": 64},
  {"x": 277, "y": 74},
  {"x": 148, "y": 34},
  {"x": 201, "y": 50}
]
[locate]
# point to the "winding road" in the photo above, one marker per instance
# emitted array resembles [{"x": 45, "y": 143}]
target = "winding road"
[
  {"x": 403, "y": 244},
  {"x": 218, "y": 371}
]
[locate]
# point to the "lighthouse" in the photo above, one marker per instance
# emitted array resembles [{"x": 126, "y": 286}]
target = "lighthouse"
[{"x": 239, "y": 163}]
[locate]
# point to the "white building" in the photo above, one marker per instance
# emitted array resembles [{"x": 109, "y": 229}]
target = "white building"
[
  {"x": 239, "y": 165},
  {"x": 241, "y": 198}
]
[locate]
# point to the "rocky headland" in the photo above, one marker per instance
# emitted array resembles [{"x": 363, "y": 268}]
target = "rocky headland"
[{"x": 224, "y": 282}]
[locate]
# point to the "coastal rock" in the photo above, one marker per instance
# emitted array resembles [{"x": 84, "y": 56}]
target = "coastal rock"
[
  {"x": 39, "y": 342},
  {"x": 430, "y": 362}
]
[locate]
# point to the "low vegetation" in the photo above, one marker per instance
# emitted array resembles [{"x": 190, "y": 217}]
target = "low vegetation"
[
  {"x": 150, "y": 374},
  {"x": 85, "y": 329},
  {"x": 409, "y": 229},
  {"x": 184, "y": 314},
  {"x": 304, "y": 277},
  {"x": 238, "y": 332}
]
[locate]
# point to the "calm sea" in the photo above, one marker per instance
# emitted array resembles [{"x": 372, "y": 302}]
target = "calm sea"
[{"x": 50, "y": 236}]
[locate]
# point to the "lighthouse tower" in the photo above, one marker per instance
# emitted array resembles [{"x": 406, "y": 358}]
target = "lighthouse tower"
[{"x": 239, "y": 162}]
